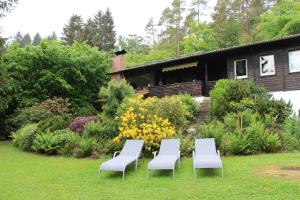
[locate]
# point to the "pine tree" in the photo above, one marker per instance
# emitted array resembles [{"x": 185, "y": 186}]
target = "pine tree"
[
  {"x": 18, "y": 37},
  {"x": 197, "y": 9},
  {"x": 36, "y": 39},
  {"x": 73, "y": 30},
  {"x": 108, "y": 33},
  {"x": 88, "y": 32},
  {"x": 151, "y": 30},
  {"x": 26, "y": 40},
  {"x": 52, "y": 36},
  {"x": 104, "y": 36},
  {"x": 171, "y": 22}
]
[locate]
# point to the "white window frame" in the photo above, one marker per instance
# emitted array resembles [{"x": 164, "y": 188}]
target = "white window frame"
[
  {"x": 260, "y": 67},
  {"x": 290, "y": 70},
  {"x": 244, "y": 76}
]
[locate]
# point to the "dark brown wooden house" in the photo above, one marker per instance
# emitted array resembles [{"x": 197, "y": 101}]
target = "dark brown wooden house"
[{"x": 274, "y": 64}]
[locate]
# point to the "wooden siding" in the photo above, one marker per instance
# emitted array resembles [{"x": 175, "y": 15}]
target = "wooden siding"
[
  {"x": 193, "y": 88},
  {"x": 283, "y": 80}
]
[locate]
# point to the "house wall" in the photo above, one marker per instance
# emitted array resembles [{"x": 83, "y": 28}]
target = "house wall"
[{"x": 283, "y": 80}]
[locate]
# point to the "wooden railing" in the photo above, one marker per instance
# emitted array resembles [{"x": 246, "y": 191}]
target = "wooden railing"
[{"x": 193, "y": 88}]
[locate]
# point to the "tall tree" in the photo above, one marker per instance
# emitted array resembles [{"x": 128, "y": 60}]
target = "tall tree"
[
  {"x": 89, "y": 31},
  {"x": 36, "y": 39},
  {"x": 134, "y": 43},
  {"x": 151, "y": 30},
  {"x": 26, "y": 40},
  {"x": 171, "y": 21},
  {"x": 53, "y": 36},
  {"x": 108, "y": 38},
  {"x": 73, "y": 30},
  {"x": 18, "y": 37},
  {"x": 198, "y": 8}
]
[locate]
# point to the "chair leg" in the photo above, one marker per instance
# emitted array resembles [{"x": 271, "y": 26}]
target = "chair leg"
[
  {"x": 179, "y": 162},
  {"x": 222, "y": 172},
  {"x": 123, "y": 174},
  {"x": 195, "y": 173},
  {"x": 173, "y": 172},
  {"x": 147, "y": 174},
  {"x": 99, "y": 174},
  {"x": 136, "y": 163}
]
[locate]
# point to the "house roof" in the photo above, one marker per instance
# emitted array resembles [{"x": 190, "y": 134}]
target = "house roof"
[{"x": 201, "y": 53}]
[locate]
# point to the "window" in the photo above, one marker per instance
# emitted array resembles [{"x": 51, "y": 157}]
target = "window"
[
  {"x": 240, "y": 68},
  {"x": 267, "y": 65},
  {"x": 294, "y": 61}
]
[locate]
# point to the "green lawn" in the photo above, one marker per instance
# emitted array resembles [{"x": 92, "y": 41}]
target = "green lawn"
[{"x": 29, "y": 176}]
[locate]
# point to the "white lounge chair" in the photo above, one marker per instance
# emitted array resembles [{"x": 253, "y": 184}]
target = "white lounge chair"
[
  {"x": 130, "y": 153},
  {"x": 205, "y": 155},
  {"x": 167, "y": 157}
]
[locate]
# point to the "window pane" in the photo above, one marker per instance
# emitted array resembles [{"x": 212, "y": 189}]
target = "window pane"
[
  {"x": 267, "y": 65},
  {"x": 294, "y": 61},
  {"x": 241, "y": 68}
]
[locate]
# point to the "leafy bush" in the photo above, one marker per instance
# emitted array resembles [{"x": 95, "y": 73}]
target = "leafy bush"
[
  {"x": 71, "y": 141},
  {"x": 54, "y": 123},
  {"x": 23, "y": 138},
  {"x": 240, "y": 95},
  {"x": 100, "y": 130},
  {"x": 48, "y": 142},
  {"x": 84, "y": 147},
  {"x": 214, "y": 129},
  {"x": 115, "y": 92},
  {"x": 137, "y": 121},
  {"x": 77, "y": 125},
  {"x": 192, "y": 105},
  {"x": 291, "y": 134},
  {"x": 237, "y": 143}
]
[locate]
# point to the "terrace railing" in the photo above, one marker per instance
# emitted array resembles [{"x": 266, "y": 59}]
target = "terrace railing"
[{"x": 193, "y": 88}]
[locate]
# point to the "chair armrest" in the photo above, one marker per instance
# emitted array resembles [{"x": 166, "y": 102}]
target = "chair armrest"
[
  {"x": 193, "y": 154},
  {"x": 115, "y": 154},
  {"x": 179, "y": 154},
  {"x": 154, "y": 154},
  {"x": 219, "y": 153}
]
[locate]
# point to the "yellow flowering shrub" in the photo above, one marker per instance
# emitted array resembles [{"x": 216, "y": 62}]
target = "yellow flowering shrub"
[{"x": 137, "y": 121}]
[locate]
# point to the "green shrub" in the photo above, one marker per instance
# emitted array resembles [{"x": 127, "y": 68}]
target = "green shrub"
[
  {"x": 238, "y": 143},
  {"x": 192, "y": 105},
  {"x": 100, "y": 130},
  {"x": 71, "y": 140},
  {"x": 115, "y": 92},
  {"x": 108, "y": 147},
  {"x": 48, "y": 142},
  {"x": 187, "y": 146},
  {"x": 214, "y": 129},
  {"x": 261, "y": 139},
  {"x": 241, "y": 95},
  {"x": 170, "y": 108},
  {"x": 291, "y": 134},
  {"x": 84, "y": 147},
  {"x": 23, "y": 138},
  {"x": 54, "y": 123}
]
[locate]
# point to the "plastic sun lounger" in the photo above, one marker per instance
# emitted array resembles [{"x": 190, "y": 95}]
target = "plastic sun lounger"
[
  {"x": 205, "y": 155},
  {"x": 130, "y": 153},
  {"x": 167, "y": 157}
]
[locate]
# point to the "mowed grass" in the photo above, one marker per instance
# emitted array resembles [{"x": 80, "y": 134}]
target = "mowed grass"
[{"x": 30, "y": 176}]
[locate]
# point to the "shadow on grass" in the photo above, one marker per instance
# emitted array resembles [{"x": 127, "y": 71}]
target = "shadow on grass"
[
  {"x": 208, "y": 173},
  {"x": 130, "y": 169}
]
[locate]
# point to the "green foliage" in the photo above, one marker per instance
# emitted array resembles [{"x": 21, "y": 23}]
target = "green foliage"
[
  {"x": 113, "y": 95},
  {"x": 100, "y": 130},
  {"x": 57, "y": 122},
  {"x": 237, "y": 144},
  {"x": 214, "y": 129},
  {"x": 171, "y": 108},
  {"x": 51, "y": 69},
  {"x": 71, "y": 141},
  {"x": 240, "y": 95},
  {"x": 201, "y": 38},
  {"x": 48, "y": 142},
  {"x": 281, "y": 20},
  {"x": 192, "y": 105},
  {"x": 84, "y": 148},
  {"x": 291, "y": 134},
  {"x": 23, "y": 138}
]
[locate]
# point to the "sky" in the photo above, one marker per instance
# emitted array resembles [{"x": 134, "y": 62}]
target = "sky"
[{"x": 46, "y": 16}]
